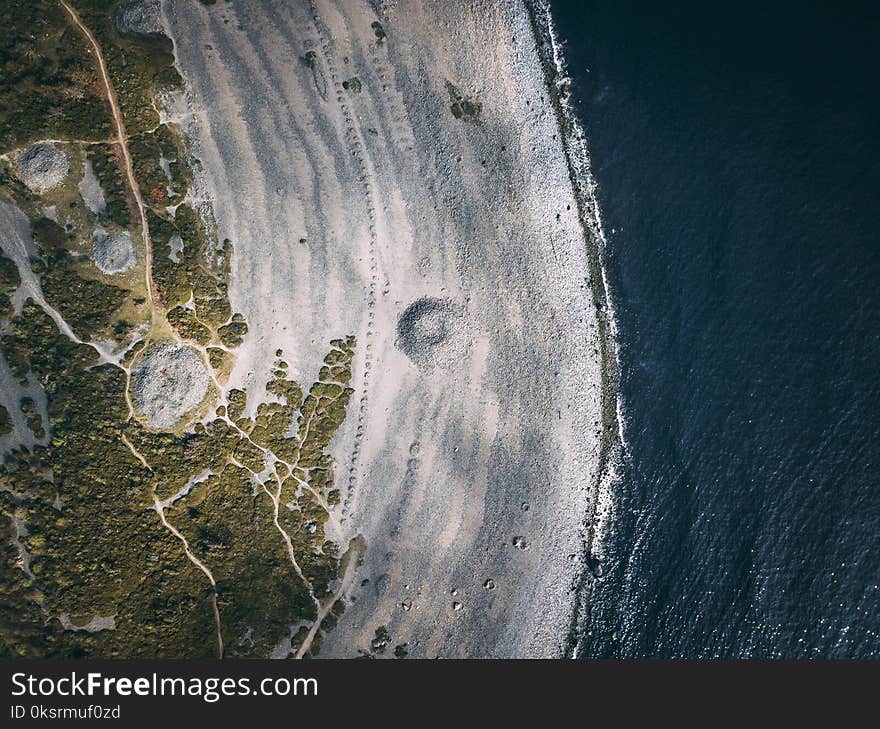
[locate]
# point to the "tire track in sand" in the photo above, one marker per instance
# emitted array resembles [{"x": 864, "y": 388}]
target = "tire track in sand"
[{"x": 358, "y": 152}]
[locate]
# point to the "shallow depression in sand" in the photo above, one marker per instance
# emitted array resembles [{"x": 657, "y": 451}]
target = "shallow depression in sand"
[
  {"x": 432, "y": 332},
  {"x": 169, "y": 381}
]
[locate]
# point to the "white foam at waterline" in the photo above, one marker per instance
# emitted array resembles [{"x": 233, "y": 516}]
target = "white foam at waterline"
[{"x": 575, "y": 143}]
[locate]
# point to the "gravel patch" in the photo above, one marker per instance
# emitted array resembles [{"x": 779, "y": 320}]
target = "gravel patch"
[
  {"x": 432, "y": 333},
  {"x": 141, "y": 17},
  {"x": 42, "y": 167},
  {"x": 95, "y": 625},
  {"x": 169, "y": 381},
  {"x": 113, "y": 252},
  {"x": 91, "y": 192},
  {"x": 175, "y": 243}
]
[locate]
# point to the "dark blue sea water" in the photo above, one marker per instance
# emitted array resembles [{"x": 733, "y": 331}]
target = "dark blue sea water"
[{"x": 737, "y": 151}]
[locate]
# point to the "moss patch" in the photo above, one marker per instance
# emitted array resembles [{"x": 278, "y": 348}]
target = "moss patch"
[{"x": 463, "y": 107}]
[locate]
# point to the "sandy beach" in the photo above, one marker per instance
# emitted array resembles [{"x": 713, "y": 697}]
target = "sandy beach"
[{"x": 367, "y": 158}]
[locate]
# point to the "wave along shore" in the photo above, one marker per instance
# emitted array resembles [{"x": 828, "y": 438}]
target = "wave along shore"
[
  {"x": 612, "y": 445},
  {"x": 415, "y": 177}
]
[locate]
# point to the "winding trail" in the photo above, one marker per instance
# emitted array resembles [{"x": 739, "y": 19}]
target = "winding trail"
[
  {"x": 160, "y": 510},
  {"x": 355, "y": 551},
  {"x": 121, "y": 138},
  {"x": 156, "y": 315},
  {"x": 136, "y": 453},
  {"x": 276, "y": 499}
]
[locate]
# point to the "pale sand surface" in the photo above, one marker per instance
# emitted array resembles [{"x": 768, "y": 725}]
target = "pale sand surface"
[
  {"x": 17, "y": 244},
  {"x": 90, "y": 190},
  {"x": 441, "y": 467}
]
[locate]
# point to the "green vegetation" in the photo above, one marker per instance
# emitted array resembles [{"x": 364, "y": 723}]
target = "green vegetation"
[
  {"x": 232, "y": 334},
  {"x": 96, "y": 545},
  {"x": 9, "y": 283},
  {"x": 219, "y": 359},
  {"x": 32, "y": 417},
  {"x": 140, "y": 66},
  {"x": 49, "y": 86},
  {"x": 259, "y": 593},
  {"x": 23, "y": 632},
  {"x": 196, "y": 275},
  {"x": 463, "y": 107},
  {"x": 380, "y": 640},
  {"x": 12, "y": 187},
  {"x": 86, "y": 304},
  {"x": 353, "y": 84},
  {"x": 378, "y": 31},
  {"x": 187, "y": 326},
  {"x": 310, "y": 59},
  {"x": 105, "y": 165},
  {"x": 92, "y": 557},
  {"x": 5, "y": 422},
  {"x": 148, "y": 150},
  {"x": 106, "y": 553}
]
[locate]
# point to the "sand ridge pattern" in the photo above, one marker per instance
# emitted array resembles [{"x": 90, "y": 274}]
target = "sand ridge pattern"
[{"x": 356, "y": 186}]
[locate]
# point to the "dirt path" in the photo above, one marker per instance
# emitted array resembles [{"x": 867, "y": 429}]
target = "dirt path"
[
  {"x": 387, "y": 191},
  {"x": 355, "y": 552},
  {"x": 157, "y": 505},
  {"x": 276, "y": 499},
  {"x": 121, "y": 138},
  {"x": 135, "y": 453}
]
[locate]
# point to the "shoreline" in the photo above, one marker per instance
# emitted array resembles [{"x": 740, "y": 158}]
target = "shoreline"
[
  {"x": 584, "y": 185},
  {"x": 457, "y": 477}
]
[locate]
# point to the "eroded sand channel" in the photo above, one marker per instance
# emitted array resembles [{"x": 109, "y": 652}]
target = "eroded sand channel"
[{"x": 363, "y": 157}]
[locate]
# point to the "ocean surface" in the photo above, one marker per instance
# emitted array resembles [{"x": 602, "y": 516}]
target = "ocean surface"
[{"x": 737, "y": 152}]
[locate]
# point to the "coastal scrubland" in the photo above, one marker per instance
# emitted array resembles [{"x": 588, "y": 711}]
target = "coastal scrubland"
[{"x": 202, "y": 533}]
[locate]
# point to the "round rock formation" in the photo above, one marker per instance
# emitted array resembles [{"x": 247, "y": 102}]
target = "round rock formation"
[
  {"x": 169, "y": 381},
  {"x": 42, "y": 167},
  {"x": 113, "y": 253},
  {"x": 432, "y": 332}
]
